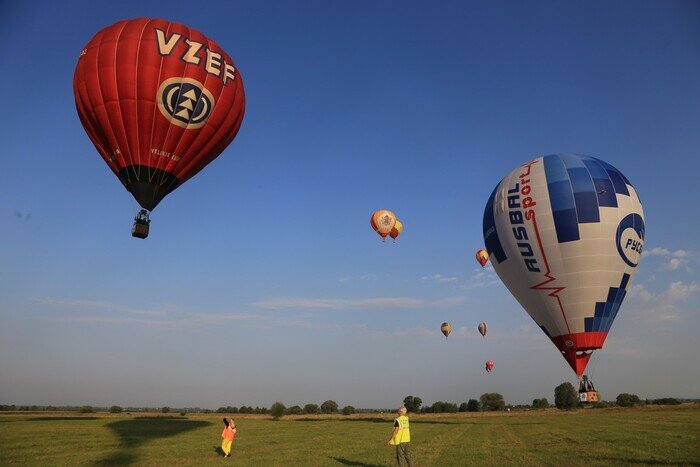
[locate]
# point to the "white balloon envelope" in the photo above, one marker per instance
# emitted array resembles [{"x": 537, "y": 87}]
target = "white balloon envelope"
[{"x": 565, "y": 233}]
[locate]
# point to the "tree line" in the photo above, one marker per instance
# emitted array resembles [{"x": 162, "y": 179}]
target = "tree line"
[{"x": 565, "y": 397}]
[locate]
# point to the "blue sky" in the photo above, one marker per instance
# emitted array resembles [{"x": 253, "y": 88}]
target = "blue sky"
[{"x": 262, "y": 280}]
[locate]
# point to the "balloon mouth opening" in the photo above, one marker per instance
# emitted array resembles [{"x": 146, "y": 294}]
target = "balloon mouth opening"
[{"x": 577, "y": 348}]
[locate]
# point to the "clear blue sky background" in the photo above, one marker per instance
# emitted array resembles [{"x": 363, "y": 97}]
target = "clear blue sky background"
[{"x": 262, "y": 280}]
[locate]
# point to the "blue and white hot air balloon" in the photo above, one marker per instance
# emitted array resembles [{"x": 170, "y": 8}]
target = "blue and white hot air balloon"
[{"x": 565, "y": 234}]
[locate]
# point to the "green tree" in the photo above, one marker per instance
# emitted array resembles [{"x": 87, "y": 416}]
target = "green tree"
[
  {"x": 492, "y": 402},
  {"x": 348, "y": 410},
  {"x": 165, "y": 409},
  {"x": 311, "y": 408},
  {"x": 87, "y": 409},
  {"x": 540, "y": 403},
  {"x": 277, "y": 410},
  {"x": 294, "y": 410},
  {"x": 463, "y": 407},
  {"x": 627, "y": 400},
  {"x": 412, "y": 404},
  {"x": 115, "y": 409},
  {"x": 329, "y": 407},
  {"x": 666, "y": 401},
  {"x": 473, "y": 405},
  {"x": 437, "y": 407},
  {"x": 565, "y": 396}
]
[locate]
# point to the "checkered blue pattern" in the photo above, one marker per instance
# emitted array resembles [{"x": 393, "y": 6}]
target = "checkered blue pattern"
[
  {"x": 578, "y": 186},
  {"x": 606, "y": 311}
]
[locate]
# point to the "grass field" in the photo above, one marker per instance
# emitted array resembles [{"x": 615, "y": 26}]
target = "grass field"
[{"x": 648, "y": 435}]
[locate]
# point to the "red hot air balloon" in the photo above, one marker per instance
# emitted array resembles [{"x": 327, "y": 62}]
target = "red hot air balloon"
[
  {"x": 482, "y": 256},
  {"x": 159, "y": 101},
  {"x": 483, "y": 329},
  {"x": 489, "y": 366}
]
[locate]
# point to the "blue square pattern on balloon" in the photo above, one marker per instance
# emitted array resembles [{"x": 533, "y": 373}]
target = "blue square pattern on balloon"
[
  {"x": 583, "y": 184},
  {"x": 605, "y": 312},
  {"x": 566, "y": 225},
  {"x": 560, "y": 195},
  {"x": 587, "y": 207}
]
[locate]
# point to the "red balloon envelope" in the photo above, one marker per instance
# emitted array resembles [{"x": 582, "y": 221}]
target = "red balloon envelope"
[
  {"x": 489, "y": 366},
  {"x": 159, "y": 102}
]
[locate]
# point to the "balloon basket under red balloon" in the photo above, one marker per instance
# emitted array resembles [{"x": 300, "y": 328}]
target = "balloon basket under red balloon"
[{"x": 142, "y": 224}]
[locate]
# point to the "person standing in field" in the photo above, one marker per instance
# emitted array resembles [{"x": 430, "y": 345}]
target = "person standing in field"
[
  {"x": 228, "y": 436},
  {"x": 401, "y": 438}
]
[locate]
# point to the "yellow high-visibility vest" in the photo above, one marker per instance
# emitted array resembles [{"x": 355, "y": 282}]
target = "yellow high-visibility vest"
[{"x": 404, "y": 434}]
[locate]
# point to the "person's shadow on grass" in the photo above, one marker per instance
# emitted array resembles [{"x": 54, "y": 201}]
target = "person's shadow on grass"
[
  {"x": 351, "y": 462},
  {"x": 134, "y": 433},
  {"x": 219, "y": 452}
]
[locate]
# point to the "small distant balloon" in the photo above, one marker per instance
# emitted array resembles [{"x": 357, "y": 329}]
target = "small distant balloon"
[
  {"x": 382, "y": 222},
  {"x": 483, "y": 329},
  {"x": 489, "y": 366},
  {"x": 396, "y": 231},
  {"x": 446, "y": 329},
  {"x": 482, "y": 256}
]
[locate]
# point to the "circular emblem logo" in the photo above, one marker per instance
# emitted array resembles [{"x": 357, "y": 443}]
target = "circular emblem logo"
[
  {"x": 185, "y": 102},
  {"x": 630, "y": 239}
]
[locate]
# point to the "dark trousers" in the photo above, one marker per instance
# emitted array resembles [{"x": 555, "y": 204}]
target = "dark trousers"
[{"x": 403, "y": 452}]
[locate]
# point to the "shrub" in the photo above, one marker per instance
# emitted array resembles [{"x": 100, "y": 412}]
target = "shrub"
[
  {"x": 294, "y": 410},
  {"x": 183, "y": 413},
  {"x": 165, "y": 409},
  {"x": 311, "y": 408},
  {"x": 565, "y": 396},
  {"x": 115, "y": 409},
  {"x": 329, "y": 407},
  {"x": 627, "y": 400},
  {"x": 666, "y": 401},
  {"x": 86, "y": 409},
  {"x": 540, "y": 403},
  {"x": 348, "y": 410},
  {"x": 602, "y": 405},
  {"x": 492, "y": 402},
  {"x": 277, "y": 410}
]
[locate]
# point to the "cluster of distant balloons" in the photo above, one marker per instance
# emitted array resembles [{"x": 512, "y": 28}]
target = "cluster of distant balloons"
[
  {"x": 564, "y": 232},
  {"x": 446, "y": 329}
]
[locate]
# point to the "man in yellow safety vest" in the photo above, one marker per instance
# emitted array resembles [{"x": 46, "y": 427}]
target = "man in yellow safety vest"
[{"x": 401, "y": 438}]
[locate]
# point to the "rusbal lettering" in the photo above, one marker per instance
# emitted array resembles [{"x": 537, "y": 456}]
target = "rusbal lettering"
[
  {"x": 213, "y": 64},
  {"x": 517, "y": 220}
]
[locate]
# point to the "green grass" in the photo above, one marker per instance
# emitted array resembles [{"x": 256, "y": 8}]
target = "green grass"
[{"x": 648, "y": 435}]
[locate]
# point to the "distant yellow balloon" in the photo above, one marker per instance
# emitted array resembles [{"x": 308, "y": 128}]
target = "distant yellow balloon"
[
  {"x": 482, "y": 256},
  {"x": 396, "y": 231},
  {"x": 446, "y": 329}
]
